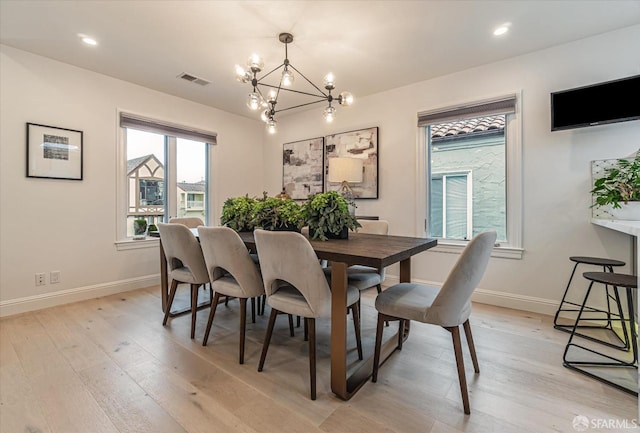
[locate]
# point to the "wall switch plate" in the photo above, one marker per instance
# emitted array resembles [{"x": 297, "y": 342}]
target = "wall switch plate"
[
  {"x": 54, "y": 277},
  {"x": 40, "y": 279}
]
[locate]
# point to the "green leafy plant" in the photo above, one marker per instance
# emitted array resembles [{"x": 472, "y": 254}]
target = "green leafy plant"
[
  {"x": 328, "y": 214},
  {"x": 237, "y": 213},
  {"x": 139, "y": 226},
  {"x": 620, "y": 184},
  {"x": 272, "y": 213},
  {"x": 153, "y": 228}
]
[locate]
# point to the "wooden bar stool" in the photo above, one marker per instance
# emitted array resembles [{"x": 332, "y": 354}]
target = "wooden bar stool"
[
  {"x": 615, "y": 281},
  {"x": 607, "y": 266}
]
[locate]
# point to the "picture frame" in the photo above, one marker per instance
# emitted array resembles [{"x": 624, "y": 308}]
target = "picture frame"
[
  {"x": 302, "y": 167},
  {"x": 53, "y": 152},
  {"x": 361, "y": 144}
]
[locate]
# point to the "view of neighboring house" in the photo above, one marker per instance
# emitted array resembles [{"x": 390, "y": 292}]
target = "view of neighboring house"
[{"x": 146, "y": 198}]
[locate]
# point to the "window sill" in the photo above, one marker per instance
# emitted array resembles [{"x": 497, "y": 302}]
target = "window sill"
[
  {"x": 130, "y": 244},
  {"x": 453, "y": 247}
]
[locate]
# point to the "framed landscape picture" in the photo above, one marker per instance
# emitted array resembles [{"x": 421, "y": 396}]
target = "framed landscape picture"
[
  {"x": 361, "y": 144},
  {"x": 302, "y": 168},
  {"x": 54, "y": 153}
]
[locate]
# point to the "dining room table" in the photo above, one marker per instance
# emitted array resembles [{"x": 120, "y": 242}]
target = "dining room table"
[{"x": 377, "y": 251}]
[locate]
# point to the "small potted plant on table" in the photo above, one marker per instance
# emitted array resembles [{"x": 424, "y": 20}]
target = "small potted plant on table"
[
  {"x": 237, "y": 213},
  {"x": 328, "y": 216},
  {"x": 272, "y": 213},
  {"x": 619, "y": 189}
]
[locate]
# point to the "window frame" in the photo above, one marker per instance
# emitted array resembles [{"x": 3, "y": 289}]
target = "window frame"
[
  {"x": 513, "y": 247},
  {"x": 468, "y": 175},
  {"x": 123, "y": 242}
]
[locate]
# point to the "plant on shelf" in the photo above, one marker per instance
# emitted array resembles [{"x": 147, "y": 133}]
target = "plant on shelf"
[
  {"x": 237, "y": 213},
  {"x": 328, "y": 216},
  {"x": 153, "y": 228},
  {"x": 139, "y": 228},
  {"x": 273, "y": 213},
  {"x": 619, "y": 185}
]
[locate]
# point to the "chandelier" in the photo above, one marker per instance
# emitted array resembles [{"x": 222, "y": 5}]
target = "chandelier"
[{"x": 267, "y": 103}]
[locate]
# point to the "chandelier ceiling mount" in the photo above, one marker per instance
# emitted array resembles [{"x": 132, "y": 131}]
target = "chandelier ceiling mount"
[{"x": 257, "y": 98}]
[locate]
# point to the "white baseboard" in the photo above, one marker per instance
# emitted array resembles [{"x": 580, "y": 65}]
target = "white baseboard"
[
  {"x": 499, "y": 299},
  {"x": 46, "y": 300}
]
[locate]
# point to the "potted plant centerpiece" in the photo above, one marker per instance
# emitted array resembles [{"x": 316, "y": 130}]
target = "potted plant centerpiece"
[
  {"x": 328, "y": 216},
  {"x": 237, "y": 213},
  {"x": 273, "y": 213},
  {"x": 139, "y": 228},
  {"x": 619, "y": 189}
]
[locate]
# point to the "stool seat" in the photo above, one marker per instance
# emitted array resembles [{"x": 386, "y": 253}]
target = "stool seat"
[
  {"x": 598, "y": 261},
  {"x": 618, "y": 280}
]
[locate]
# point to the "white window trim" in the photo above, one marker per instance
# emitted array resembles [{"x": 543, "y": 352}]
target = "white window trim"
[
  {"x": 514, "y": 248},
  {"x": 122, "y": 242}
]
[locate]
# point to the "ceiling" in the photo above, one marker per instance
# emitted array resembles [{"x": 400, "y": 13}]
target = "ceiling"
[{"x": 370, "y": 46}]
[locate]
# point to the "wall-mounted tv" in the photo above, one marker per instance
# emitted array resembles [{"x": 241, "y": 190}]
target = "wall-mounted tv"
[{"x": 598, "y": 104}]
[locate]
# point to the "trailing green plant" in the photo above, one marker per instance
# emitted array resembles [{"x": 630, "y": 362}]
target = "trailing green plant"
[
  {"x": 328, "y": 213},
  {"x": 620, "y": 184},
  {"x": 272, "y": 213},
  {"x": 237, "y": 213}
]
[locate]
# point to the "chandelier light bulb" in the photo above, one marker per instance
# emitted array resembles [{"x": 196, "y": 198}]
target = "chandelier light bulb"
[
  {"x": 287, "y": 78},
  {"x": 346, "y": 99},
  {"x": 266, "y": 115},
  {"x": 253, "y": 101},
  {"x": 271, "y": 97},
  {"x": 329, "y": 114},
  {"x": 329, "y": 81},
  {"x": 272, "y": 126},
  {"x": 255, "y": 63},
  {"x": 242, "y": 75}
]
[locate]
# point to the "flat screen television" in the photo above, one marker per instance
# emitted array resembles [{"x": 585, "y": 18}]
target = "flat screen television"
[{"x": 597, "y": 104}]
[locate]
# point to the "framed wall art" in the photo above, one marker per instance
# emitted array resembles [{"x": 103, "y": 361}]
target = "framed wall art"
[
  {"x": 361, "y": 144},
  {"x": 302, "y": 168},
  {"x": 54, "y": 153}
]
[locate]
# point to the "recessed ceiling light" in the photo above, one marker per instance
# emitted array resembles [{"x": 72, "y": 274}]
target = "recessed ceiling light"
[
  {"x": 501, "y": 30},
  {"x": 87, "y": 39}
]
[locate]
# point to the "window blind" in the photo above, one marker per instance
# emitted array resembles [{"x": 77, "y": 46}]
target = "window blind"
[
  {"x": 489, "y": 107},
  {"x": 133, "y": 121}
]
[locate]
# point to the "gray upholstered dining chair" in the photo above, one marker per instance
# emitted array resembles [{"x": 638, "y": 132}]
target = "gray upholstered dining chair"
[
  {"x": 232, "y": 272},
  {"x": 191, "y": 222},
  {"x": 449, "y": 306},
  {"x": 364, "y": 277},
  {"x": 185, "y": 264},
  {"x": 296, "y": 285}
]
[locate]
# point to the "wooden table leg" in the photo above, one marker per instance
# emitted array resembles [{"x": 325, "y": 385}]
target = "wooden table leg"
[{"x": 342, "y": 385}]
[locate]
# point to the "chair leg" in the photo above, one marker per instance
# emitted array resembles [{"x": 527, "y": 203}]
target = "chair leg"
[
  {"x": 311, "y": 325},
  {"x": 212, "y": 313},
  {"x": 306, "y": 331},
  {"x": 243, "y": 324},
  {"x": 356, "y": 325},
  {"x": 267, "y": 337},
  {"x": 194, "y": 308},
  {"x": 379, "y": 288},
  {"x": 457, "y": 348},
  {"x": 253, "y": 310},
  {"x": 376, "y": 353},
  {"x": 400, "y": 333},
  {"x": 226, "y": 301},
  {"x": 297, "y": 321},
  {"x": 172, "y": 294},
  {"x": 291, "y": 326},
  {"x": 472, "y": 347}
]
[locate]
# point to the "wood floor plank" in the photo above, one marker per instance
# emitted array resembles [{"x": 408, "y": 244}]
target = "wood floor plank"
[{"x": 20, "y": 410}]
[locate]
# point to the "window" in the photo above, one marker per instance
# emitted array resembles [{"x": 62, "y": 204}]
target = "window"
[
  {"x": 155, "y": 155},
  {"x": 472, "y": 175}
]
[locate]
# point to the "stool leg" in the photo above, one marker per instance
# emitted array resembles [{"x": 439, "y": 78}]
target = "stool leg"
[
  {"x": 575, "y": 325},
  {"x": 632, "y": 326},
  {"x": 621, "y": 314},
  {"x": 564, "y": 296}
]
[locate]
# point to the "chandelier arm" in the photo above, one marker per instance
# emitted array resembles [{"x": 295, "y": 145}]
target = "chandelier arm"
[
  {"x": 324, "y": 97},
  {"x": 270, "y": 72},
  {"x": 301, "y": 105},
  {"x": 308, "y": 80}
]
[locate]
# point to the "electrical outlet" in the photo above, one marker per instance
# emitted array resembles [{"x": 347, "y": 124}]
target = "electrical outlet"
[
  {"x": 40, "y": 279},
  {"x": 54, "y": 277}
]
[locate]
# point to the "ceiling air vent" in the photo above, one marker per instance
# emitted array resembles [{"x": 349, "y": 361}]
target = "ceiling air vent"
[{"x": 193, "y": 79}]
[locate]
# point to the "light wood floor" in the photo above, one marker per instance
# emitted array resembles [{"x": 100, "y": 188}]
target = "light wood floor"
[{"x": 108, "y": 365}]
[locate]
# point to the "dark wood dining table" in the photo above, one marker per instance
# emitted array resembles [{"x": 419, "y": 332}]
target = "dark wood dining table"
[{"x": 377, "y": 251}]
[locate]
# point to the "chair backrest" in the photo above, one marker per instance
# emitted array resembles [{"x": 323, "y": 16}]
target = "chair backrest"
[
  {"x": 453, "y": 303},
  {"x": 289, "y": 257},
  {"x": 191, "y": 222},
  {"x": 182, "y": 249},
  {"x": 223, "y": 250},
  {"x": 375, "y": 227}
]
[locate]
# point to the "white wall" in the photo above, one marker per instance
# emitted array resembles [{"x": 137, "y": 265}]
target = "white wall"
[
  {"x": 69, "y": 226},
  {"x": 556, "y": 166}
]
